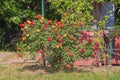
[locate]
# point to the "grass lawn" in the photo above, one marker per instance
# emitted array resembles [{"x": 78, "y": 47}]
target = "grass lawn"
[
  {"x": 17, "y": 73},
  {"x": 33, "y": 71}
]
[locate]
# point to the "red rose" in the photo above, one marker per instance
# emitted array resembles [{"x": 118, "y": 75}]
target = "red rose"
[
  {"x": 25, "y": 23},
  {"x": 59, "y": 24},
  {"x": 90, "y": 40},
  {"x": 82, "y": 50},
  {"x": 45, "y": 26},
  {"x": 50, "y": 39},
  {"x": 19, "y": 55},
  {"x": 72, "y": 37},
  {"x": 41, "y": 51},
  {"x": 37, "y": 16},
  {"x": 71, "y": 54},
  {"x": 49, "y": 21},
  {"x": 68, "y": 66},
  {"x": 21, "y": 25},
  {"x": 59, "y": 36},
  {"x": 31, "y": 23},
  {"x": 67, "y": 49},
  {"x": 60, "y": 40}
]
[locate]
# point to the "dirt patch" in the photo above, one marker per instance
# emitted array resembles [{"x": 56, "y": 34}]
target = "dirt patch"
[
  {"x": 4, "y": 55},
  {"x": 30, "y": 66},
  {"x": 8, "y": 58}
]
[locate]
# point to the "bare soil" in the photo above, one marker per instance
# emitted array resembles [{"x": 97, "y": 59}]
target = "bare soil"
[
  {"x": 4, "y": 55},
  {"x": 30, "y": 66}
]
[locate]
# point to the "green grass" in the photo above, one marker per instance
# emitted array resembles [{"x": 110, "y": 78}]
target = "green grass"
[
  {"x": 7, "y": 73},
  {"x": 63, "y": 76}
]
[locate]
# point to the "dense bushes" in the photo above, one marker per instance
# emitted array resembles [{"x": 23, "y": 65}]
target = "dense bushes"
[
  {"x": 11, "y": 14},
  {"x": 14, "y": 12},
  {"x": 58, "y": 42}
]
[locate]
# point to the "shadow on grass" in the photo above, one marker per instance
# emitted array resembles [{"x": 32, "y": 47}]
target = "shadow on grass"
[
  {"x": 38, "y": 67},
  {"x": 49, "y": 69}
]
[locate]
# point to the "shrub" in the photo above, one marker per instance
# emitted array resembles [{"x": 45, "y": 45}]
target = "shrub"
[{"x": 59, "y": 42}]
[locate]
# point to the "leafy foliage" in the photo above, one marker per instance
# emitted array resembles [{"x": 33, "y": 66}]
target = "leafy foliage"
[
  {"x": 57, "y": 39},
  {"x": 13, "y": 12},
  {"x": 59, "y": 42}
]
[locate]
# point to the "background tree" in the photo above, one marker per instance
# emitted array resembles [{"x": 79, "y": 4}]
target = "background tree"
[{"x": 13, "y": 12}]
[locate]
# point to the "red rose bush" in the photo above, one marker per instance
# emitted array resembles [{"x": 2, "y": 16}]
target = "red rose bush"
[{"x": 59, "y": 42}]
